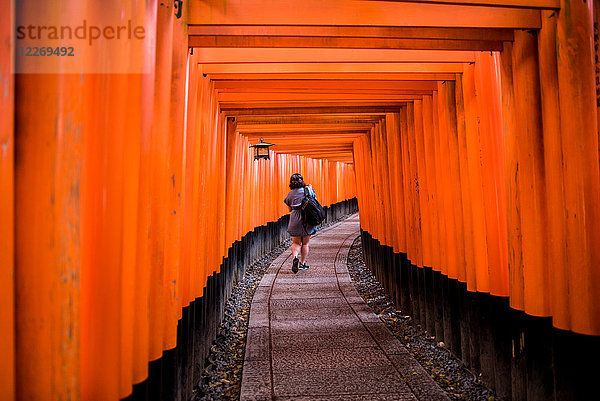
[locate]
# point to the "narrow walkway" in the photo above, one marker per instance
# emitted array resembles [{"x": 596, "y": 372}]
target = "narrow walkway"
[{"x": 312, "y": 337}]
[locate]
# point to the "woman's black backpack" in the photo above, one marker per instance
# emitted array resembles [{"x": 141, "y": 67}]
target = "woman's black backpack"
[{"x": 311, "y": 210}]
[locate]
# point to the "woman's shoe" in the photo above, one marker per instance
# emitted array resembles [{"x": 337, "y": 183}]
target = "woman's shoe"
[
  {"x": 303, "y": 266},
  {"x": 295, "y": 264}
]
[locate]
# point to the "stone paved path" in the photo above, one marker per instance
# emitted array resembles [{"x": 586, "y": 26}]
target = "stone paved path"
[{"x": 312, "y": 337}]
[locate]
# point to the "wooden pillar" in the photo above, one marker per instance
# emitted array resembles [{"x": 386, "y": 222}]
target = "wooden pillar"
[
  {"x": 129, "y": 273},
  {"x": 531, "y": 186},
  {"x": 432, "y": 193},
  {"x": 553, "y": 158},
  {"x": 221, "y": 188},
  {"x": 376, "y": 160},
  {"x": 131, "y": 123},
  {"x": 449, "y": 103},
  {"x": 447, "y": 127},
  {"x": 515, "y": 254},
  {"x": 414, "y": 187},
  {"x": 161, "y": 181},
  {"x": 440, "y": 181},
  {"x": 387, "y": 193},
  {"x": 423, "y": 194},
  {"x": 373, "y": 185},
  {"x": 465, "y": 187},
  {"x": 141, "y": 319},
  {"x": 47, "y": 247},
  {"x": 596, "y": 54},
  {"x": 475, "y": 179},
  {"x": 176, "y": 184},
  {"x": 578, "y": 284},
  {"x": 232, "y": 172},
  {"x": 190, "y": 197},
  {"x": 395, "y": 178},
  {"x": 493, "y": 184},
  {"x": 410, "y": 239},
  {"x": 7, "y": 240}
]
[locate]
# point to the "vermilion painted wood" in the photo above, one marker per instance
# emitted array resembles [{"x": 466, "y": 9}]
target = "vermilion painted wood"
[
  {"x": 531, "y": 184},
  {"x": 423, "y": 194},
  {"x": 396, "y": 32},
  {"x": 32, "y": 250},
  {"x": 475, "y": 179},
  {"x": 132, "y": 126},
  {"x": 508, "y": 3},
  {"x": 580, "y": 161},
  {"x": 325, "y": 42},
  {"x": 248, "y": 128},
  {"x": 448, "y": 180},
  {"x": 393, "y": 67},
  {"x": 340, "y": 12},
  {"x": 176, "y": 184},
  {"x": 342, "y": 105},
  {"x": 553, "y": 160},
  {"x": 315, "y": 85},
  {"x": 131, "y": 168},
  {"x": 7, "y": 171},
  {"x": 406, "y": 177},
  {"x": 141, "y": 289},
  {"x": 251, "y": 99},
  {"x": 372, "y": 185},
  {"x": 309, "y": 111},
  {"x": 325, "y": 118},
  {"x": 597, "y": 54},
  {"x": 325, "y": 76},
  {"x": 47, "y": 242},
  {"x": 449, "y": 102},
  {"x": 416, "y": 229},
  {"x": 384, "y": 173},
  {"x": 515, "y": 254},
  {"x": 364, "y": 181},
  {"x": 396, "y": 181},
  {"x": 190, "y": 195},
  {"x": 440, "y": 182},
  {"x": 494, "y": 192},
  {"x": 465, "y": 186},
  {"x": 102, "y": 236},
  {"x": 210, "y": 55},
  {"x": 433, "y": 164},
  {"x": 431, "y": 192},
  {"x": 160, "y": 180}
]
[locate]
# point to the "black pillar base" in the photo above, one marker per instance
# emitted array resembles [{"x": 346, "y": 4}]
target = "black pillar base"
[{"x": 519, "y": 356}]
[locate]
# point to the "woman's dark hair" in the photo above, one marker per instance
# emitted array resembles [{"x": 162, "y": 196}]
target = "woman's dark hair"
[{"x": 296, "y": 181}]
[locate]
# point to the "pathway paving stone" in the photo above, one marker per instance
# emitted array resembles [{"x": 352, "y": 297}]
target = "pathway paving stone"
[{"x": 312, "y": 337}]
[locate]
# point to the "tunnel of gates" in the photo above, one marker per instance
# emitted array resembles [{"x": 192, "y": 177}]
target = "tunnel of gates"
[{"x": 466, "y": 133}]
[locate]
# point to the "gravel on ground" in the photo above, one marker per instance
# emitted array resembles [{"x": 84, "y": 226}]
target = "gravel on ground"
[
  {"x": 222, "y": 375},
  {"x": 443, "y": 366}
]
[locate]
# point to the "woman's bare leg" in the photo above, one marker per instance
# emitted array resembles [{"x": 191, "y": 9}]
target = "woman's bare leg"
[
  {"x": 296, "y": 246},
  {"x": 304, "y": 250}
]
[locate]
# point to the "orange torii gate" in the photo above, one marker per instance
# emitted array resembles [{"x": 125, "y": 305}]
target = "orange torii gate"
[{"x": 470, "y": 126}]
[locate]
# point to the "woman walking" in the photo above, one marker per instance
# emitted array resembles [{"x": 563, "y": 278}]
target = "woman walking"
[{"x": 299, "y": 231}]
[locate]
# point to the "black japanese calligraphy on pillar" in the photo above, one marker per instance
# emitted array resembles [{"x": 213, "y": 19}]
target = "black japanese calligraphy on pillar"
[{"x": 178, "y": 4}]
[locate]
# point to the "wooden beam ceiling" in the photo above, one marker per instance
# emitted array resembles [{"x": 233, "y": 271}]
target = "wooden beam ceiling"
[
  {"x": 312, "y": 76},
  {"x": 323, "y": 42},
  {"x": 339, "y": 67},
  {"x": 284, "y": 55},
  {"x": 371, "y": 77},
  {"x": 316, "y": 86},
  {"x": 329, "y": 31},
  {"x": 369, "y": 13}
]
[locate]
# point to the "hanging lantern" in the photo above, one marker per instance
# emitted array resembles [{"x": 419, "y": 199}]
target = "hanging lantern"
[{"x": 261, "y": 150}]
